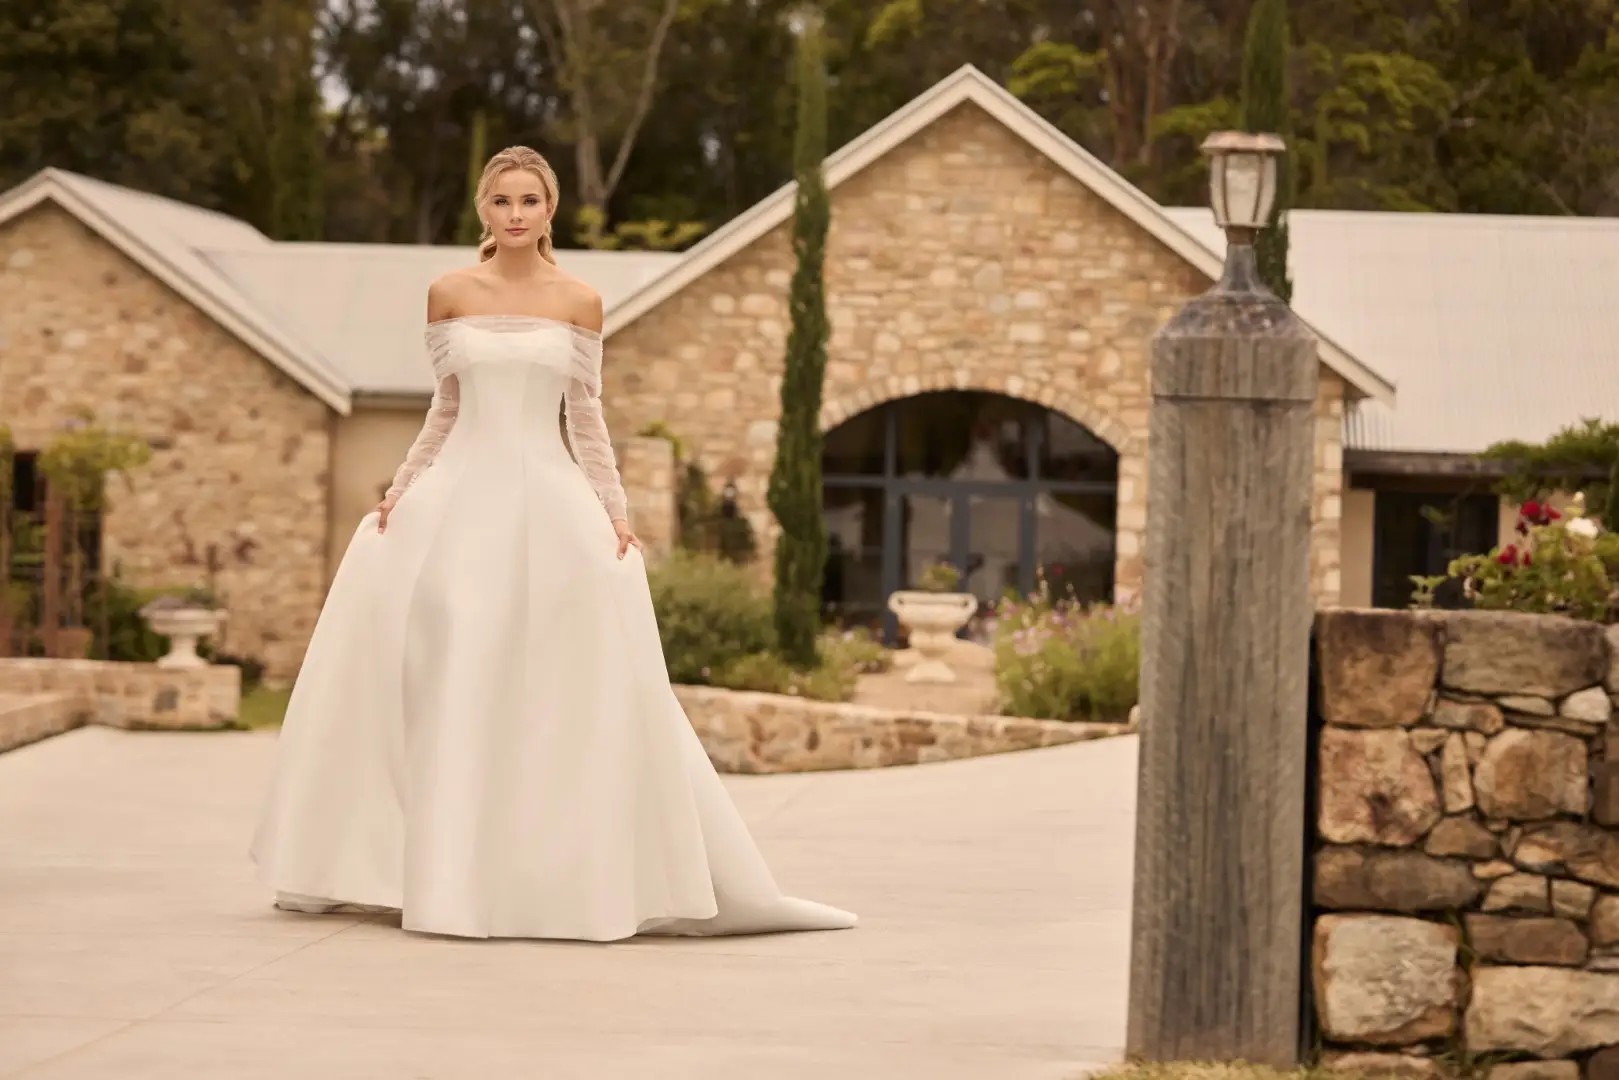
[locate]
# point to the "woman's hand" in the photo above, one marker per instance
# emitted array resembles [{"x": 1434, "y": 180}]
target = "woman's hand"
[
  {"x": 384, "y": 508},
  {"x": 626, "y": 537}
]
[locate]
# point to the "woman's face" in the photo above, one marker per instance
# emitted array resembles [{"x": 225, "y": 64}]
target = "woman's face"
[{"x": 516, "y": 209}]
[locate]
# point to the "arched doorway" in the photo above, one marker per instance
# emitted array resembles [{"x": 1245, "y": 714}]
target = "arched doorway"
[{"x": 998, "y": 487}]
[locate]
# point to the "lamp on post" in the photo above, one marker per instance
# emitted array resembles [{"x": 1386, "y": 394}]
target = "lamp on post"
[
  {"x": 1242, "y": 192},
  {"x": 1217, "y": 913}
]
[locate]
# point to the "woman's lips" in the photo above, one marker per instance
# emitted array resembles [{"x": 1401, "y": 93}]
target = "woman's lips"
[{"x": 516, "y": 232}]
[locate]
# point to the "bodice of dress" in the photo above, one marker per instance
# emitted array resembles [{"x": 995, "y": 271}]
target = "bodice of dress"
[{"x": 506, "y": 357}]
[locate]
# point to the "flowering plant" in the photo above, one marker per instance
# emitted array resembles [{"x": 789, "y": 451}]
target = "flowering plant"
[
  {"x": 1059, "y": 659},
  {"x": 1560, "y": 564}
]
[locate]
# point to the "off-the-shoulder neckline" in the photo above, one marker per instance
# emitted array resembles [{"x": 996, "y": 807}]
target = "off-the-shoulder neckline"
[{"x": 546, "y": 320}]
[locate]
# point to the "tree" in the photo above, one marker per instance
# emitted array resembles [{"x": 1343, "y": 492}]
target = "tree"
[
  {"x": 795, "y": 479},
  {"x": 470, "y": 231},
  {"x": 258, "y": 58},
  {"x": 1266, "y": 108},
  {"x": 108, "y": 88},
  {"x": 606, "y": 55}
]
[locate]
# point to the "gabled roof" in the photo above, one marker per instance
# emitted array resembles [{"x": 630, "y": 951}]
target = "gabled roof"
[
  {"x": 168, "y": 239},
  {"x": 969, "y": 85},
  {"x": 1495, "y": 327},
  {"x": 363, "y": 305}
]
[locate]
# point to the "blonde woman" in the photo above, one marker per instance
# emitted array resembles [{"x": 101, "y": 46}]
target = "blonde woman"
[{"x": 483, "y": 735}]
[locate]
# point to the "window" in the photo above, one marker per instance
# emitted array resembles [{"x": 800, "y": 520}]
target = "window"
[{"x": 1417, "y": 534}]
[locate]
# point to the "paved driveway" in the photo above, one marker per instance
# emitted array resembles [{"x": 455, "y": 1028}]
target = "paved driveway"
[{"x": 994, "y": 897}]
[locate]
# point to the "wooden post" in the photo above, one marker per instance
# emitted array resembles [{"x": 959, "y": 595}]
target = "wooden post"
[{"x": 1215, "y": 962}]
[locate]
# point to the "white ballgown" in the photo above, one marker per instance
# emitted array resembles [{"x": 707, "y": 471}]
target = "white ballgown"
[{"x": 483, "y": 735}]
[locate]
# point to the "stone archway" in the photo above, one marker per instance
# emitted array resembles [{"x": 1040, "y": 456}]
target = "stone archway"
[{"x": 1131, "y": 517}]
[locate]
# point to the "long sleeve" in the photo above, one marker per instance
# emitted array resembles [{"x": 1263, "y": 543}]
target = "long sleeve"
[
  {"x": 435, "y": 429},
  {"x": 592, "y": 447}
]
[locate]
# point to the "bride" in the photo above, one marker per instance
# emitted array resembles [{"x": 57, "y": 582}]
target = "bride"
[{"x": 483, "y": 736}]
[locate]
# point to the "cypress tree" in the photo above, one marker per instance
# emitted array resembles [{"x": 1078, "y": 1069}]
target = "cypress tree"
[
  {"x": 1265, "y": 108},
  {"x": 470, "y": 228},
  {"x": 1610, "y": 507},
  {"x": 795, "y": 479}
]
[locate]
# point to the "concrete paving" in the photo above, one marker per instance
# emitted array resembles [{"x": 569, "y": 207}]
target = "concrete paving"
[{"x": 994, "y": 895}]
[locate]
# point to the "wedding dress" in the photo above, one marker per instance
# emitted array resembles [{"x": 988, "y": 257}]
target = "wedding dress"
[{"x": 483, "y": 735}]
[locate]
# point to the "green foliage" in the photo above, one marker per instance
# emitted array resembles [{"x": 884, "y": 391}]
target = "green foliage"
[
  {"x": 77, "y": 462},
  {"x": 650, "y": 234},
  {"x": 704, "y": 523},
  {"x": 470, "y": 230},
  {"x": 856, "y": 649},
  {"x": 1559, "y": 566},
  {"x": 1060, "y": 660},
  {"x": 939, "y": 577},
  {"x": 768, "y": 673},
  {"x": 795, "y": 478},
  {"x": 127, "y": 635},
  {"x": 1267, "y": 107},
  {"x": 1583, "y": 457},
  {"x": 710, "y": 612},
  {"x": 716, "y": 629}
]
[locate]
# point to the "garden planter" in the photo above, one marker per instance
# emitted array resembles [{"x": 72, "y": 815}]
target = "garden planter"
[
  {"x": 932, "y": 619},
  {"x": 183, "y": 626}
]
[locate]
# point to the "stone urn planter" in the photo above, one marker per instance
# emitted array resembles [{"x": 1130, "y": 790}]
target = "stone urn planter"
[
  {"x": 184, "y": 620},
  {"x": 933, "y": 614}
]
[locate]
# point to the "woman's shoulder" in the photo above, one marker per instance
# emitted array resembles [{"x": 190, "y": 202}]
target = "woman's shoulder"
[
  {"x": 584, "y": 303},
  {"x": 447, "y": 293}
]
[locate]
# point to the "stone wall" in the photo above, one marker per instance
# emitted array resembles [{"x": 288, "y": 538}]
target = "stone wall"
[
  {"x": 963, "y": 259},
  {"x": 647, "y": 469},
  {"x": 241, "y": 456},
  {"x": 746, "y": 732},
  {"x": 126, "y": 695},
  {"x": 1466, "y": 883}
]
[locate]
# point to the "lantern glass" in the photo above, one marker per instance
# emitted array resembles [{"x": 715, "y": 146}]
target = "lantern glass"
[{"x": 1242, "y": 188}]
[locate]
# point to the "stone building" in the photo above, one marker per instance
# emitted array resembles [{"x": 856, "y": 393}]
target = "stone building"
[{"x": 992, "y": 289}]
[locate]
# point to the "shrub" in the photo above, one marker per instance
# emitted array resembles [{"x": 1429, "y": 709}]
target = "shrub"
[
  {"x": 1061, "y": 660},
  {"x": 856, "y": 649},
  {"x": 1559, "y": 565},
  {"x": 710, "y": 612},
  {"x": 769, "y": 673}
]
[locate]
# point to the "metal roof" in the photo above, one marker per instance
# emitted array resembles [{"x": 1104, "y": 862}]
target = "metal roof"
[
  {"x": 169, "y": 239},
  {"x": 1490, "y": 327},
  {"x": 363, "y": 305}
]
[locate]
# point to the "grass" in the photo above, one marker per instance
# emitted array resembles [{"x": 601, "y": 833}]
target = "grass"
[{"x": 263, "y": 707}]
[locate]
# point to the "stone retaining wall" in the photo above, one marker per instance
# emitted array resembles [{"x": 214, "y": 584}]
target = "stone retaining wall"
[
  {"x": 1466, "y": 882},
  {"x": 128, "y": 695},
  {"x": 773, "y": 733},
  {"x": 28, "y": 718}
]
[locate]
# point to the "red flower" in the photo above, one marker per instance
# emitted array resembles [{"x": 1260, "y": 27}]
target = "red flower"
[
  {"x": 1531, "y": 511},
  {"x": 1550, "y": 514},
  {"x": 1508, "y": 556}
]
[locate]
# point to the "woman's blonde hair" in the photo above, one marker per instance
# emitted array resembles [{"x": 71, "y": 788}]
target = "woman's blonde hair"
[{"x": 517, "y": 157}]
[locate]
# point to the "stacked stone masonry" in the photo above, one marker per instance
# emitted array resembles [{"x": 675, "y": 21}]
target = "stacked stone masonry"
[
  {"x": 746, "y": 732},
  {"x": 964, "y": 259},
  {"x": 126, "y": 695},
  {"x": 236, "y": 492},
  {"x": 1466, "y": 876}
]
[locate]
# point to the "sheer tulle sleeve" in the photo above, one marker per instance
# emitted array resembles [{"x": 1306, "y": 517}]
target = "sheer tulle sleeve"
[
  {"x": 587, "y": 427},
  {"x": 435, "y": 429}
]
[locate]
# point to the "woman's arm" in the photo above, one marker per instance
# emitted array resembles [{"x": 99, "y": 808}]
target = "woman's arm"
[{"x": 587, "y": 426}]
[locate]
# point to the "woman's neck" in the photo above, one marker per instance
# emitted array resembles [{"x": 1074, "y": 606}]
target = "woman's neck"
[{"x": 517, "y": 263}]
